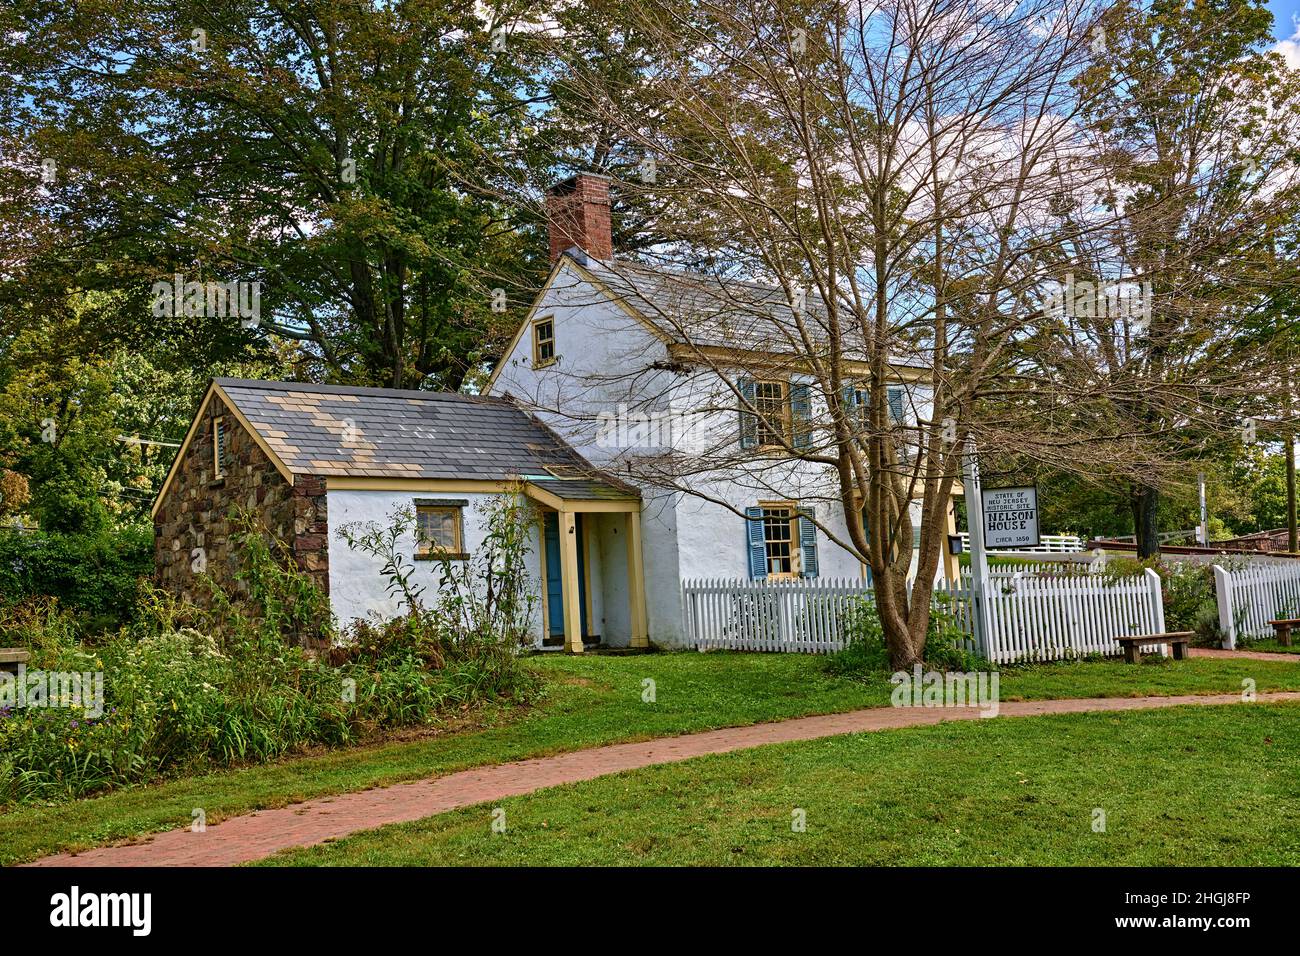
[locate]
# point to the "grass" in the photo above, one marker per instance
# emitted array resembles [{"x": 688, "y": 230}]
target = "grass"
[
  {"x": 592, "y": 700},
  {"x": 1185, "y": 786},
  {"x": 1273, "y": 647}
]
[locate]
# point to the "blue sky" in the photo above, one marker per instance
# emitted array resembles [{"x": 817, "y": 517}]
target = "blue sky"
[{"x": 1283, "y": 11}]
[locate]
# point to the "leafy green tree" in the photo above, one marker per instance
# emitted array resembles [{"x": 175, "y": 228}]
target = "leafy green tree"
[
  {"x": 332, "y": 151},
  {"x": 1197, "y": 128}
]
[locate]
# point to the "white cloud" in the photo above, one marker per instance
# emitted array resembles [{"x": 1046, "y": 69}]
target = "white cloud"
[{"x": 1290, "y": 49}]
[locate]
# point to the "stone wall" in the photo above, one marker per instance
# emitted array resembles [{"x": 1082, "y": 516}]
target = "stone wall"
[{"x": 196, "y": 512}]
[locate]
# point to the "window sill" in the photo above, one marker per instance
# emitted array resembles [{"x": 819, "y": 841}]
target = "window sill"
[
  {"x": 448, "y": 556},
  {"x": 547, "y": 364}
]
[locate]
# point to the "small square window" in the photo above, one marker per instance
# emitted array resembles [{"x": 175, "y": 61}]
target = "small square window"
[
  {"x": 543, "y": 342},
  {"x": 438, "y": 530}
]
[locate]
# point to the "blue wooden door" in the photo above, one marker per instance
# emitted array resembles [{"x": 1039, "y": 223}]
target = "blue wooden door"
[{"x": 554, "y": 577}]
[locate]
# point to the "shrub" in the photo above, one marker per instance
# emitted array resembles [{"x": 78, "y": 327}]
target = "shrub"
[
  {"x": 865, "y": 652},
  {"x": 94, "y": 575},
  {"x": 187, "y": 690}
]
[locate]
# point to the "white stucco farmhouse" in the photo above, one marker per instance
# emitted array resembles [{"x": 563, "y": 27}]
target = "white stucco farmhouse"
[
  {"x": 644, "y": 410},
  {"x": 647, "y": 372}
]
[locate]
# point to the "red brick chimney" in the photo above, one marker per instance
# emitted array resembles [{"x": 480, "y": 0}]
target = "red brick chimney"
[{"x": 578, "y": 213}]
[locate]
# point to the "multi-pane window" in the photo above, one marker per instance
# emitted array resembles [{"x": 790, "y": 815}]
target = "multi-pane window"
[
  {"x": 438, "y": 530},
  {"x": 772, "y": 402},
  {"x": 779, "y": 541},
  {"x": 543, "y": 342}
]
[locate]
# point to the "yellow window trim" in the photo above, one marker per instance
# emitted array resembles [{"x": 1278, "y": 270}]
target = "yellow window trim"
[
  {"x": 787, "y": 419},
  {"x": 425, "y": 549},
  {"x": 217, "y": 426},
  {"x": 538, "y": 341},
  {"x": 795, "y": 548}
]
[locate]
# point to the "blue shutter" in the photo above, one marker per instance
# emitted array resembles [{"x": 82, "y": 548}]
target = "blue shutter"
[
  {"x": 801, "y": 413},
  {"x": 748, "y": 420},
  {"x": 808, "y": 542},
  {"x": 896, "y": 411},
  {"x": 757, "y": 545}
]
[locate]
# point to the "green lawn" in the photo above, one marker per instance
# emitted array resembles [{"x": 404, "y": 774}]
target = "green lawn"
[
  {"x": 1187, "y": 786},
  {"x": 592, "y": 700},
  {"x": 1272, "y": 646}
]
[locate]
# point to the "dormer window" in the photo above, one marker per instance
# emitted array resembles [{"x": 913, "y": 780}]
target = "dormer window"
[{"x": 544, "y": 342}]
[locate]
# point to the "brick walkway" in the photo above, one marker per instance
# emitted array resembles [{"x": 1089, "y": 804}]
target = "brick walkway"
[
  {"x": 1248, "y": 655},
  {"x": 265, "y": 832}
]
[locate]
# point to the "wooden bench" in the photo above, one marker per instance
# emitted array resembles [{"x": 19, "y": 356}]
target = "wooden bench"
[
  {"x": 11, "y": 657},
  {"x": 1179, "y": 640},
  {"x": 1283, "y": 628}
]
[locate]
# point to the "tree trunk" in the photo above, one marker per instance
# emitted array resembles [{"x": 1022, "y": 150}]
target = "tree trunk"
[{"x": 1146, "y": 501}]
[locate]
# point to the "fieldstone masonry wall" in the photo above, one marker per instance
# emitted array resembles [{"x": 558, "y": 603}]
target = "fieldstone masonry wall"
[{"x": 197, "y": 512}]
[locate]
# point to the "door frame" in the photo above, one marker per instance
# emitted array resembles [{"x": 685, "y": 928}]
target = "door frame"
[{"x": 584, "y": 557}]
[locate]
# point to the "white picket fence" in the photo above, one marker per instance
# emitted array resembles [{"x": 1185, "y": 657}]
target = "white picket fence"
[
  {"x": 1250, "y": 597},
  {"x": 1055, "y": 616},
  {"x": 808, "y": 615},
  {"x": 1048, "y": 544},
  {"x": 1032, "y": 615}
]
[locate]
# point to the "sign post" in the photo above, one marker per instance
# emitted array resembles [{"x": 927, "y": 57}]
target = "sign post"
[
  {"x": 979, "y": 559},
  {"x": 1203, "y": 529}
]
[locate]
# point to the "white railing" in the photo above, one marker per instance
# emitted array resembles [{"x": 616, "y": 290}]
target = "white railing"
[
  {"x": 1249, "y": 597},
  {"x": 1048, "y": 544},
  {"x": 1055, "y": 616},
  {"x": 1032, "y": 616}
]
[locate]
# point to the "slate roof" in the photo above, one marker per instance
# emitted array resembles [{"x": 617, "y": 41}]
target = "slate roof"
[
  {"x": 579, "y": 490},
  {"x": 704, "y": 310},
  {"x": 393, "y": 433}
]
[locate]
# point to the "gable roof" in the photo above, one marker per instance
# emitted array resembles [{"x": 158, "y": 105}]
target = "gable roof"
[
  {"x": 692, "y": 310},
  {"x": 395, "y": 433},
  {"x": 709, "y": 311},
  {"x": 340, "y": 431}
]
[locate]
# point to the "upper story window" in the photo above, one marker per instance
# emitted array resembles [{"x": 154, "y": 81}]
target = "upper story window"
[
  {"x": 543, "y": 342},
  {"x": 772, "y": 402},
  {"x": 780, "y": 416}
]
